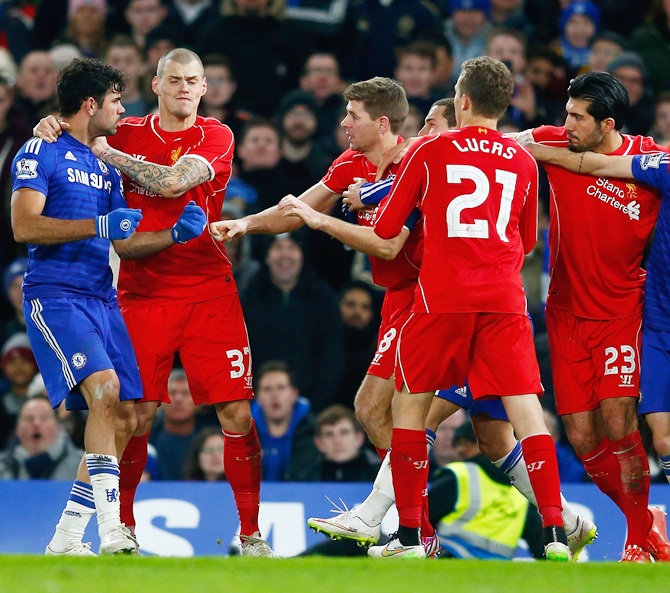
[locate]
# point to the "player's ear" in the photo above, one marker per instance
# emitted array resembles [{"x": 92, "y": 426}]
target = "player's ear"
[
  {"x": 90, "y": 105},
  {"x": 384, "y": 124},
  {"x": 155, "y": 81},
  {"x": 608, "y": 125}
]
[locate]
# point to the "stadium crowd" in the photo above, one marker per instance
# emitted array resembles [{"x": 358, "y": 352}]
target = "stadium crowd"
[{"x": 276, "y": 71}]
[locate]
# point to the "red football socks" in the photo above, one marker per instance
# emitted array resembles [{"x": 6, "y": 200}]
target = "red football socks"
[
  {"x": 540, "y": 455},
  {"x": 602, "y": 467},
  {"x": 242, "y": 463},
  {"x": 635, "y": 481},
  {"x": 409, "y": 460},
  {"x": 132, "y": 466}
]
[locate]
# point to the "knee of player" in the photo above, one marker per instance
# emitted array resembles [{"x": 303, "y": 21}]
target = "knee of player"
[
  {"x": 104, "y": 391},
  {"x": 662, "y": 442},
  {"x": 126, "y": 418},
  {"x": 234, "y": 416}
]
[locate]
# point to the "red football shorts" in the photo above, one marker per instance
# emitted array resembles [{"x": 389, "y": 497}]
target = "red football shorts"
[
  {"x": 396, "y": 309},
  {"x": 211, "y": 338},
  {"x": 494, "y": 351},
  {"x": 593, "y": 360}
]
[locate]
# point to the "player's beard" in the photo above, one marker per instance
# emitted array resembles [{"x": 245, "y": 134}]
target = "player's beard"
[{"x": 589, "y": 142}]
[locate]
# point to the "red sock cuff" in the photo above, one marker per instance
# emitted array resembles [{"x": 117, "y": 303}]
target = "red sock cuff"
[
  {"x": 628, "y": 442},
  {"x": 601, "y": 448},
  {"x": 403, "y": 436}
]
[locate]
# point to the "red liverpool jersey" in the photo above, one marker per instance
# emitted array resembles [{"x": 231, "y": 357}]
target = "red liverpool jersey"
[
  {"x": 198, "y": 270},
  {"x": 477, "y": 191},
  {"x": 598, "y": 230},
  {"x": 404, "y": 268}
]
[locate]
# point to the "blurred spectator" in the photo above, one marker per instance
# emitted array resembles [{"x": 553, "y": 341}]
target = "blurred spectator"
[
  {"x": 321, "y": 77},
  {"x": 204, "y": 462},
  {"x": 63, "y": 54},
  {"x": 258, "y": 161},
  {"x": 340, "y": 440},
  {"x": 293, "y": 316},
  {"x": 374, "y": 28},
  {"x": 86, "y": 26},
  {"x": 8, "y": 67},
  {"x": 361, "y": 324},
  {"x": 240, "y": 195},
  {"x": 16, "y": 25},
  {"x": 42, "y": 449},
  {"x": 509, "y": 13},
  {"x": 73, "y": 421},
  {"x": 238, "y": 249},
  {"x": 415, "y": 68},
  {"x": 413, "y": 122},
  {"x": 19, "y": 367},
  {"x": 570, "y": 468},
  {"x": 467, "y": 31},
  {"x": 303, "y": 160},
  {"x": 322, "y": 19},
  {"x": 443, "y": 450},
  {"x": 14, "y": 131},
  {"x": 176, "y": 427},
  {"x": 650, "y": 41},
  {"x": 188, "y": 17},
  {"x": 284, "y": 423},
  {"x": 660, "y": 130},
  {"x": 605, "y": 46},
  {"x": 544, "y": 70},
  {"x": 509, "y": 46},
  {"x": 12, "y": 281},
  {"x": 36, "y": 86},
  {"x": 159, "y": 41},
  {"x": 267, "y": 51},
  {"x": 219, "y": 100},
  {"x": 578, "y": 25},
  {"x": 441, "y": 85},
  {"x": 142, "y": 16},
  {"x": 124, "y": 54},
  {"x": 630, "y": 70}
]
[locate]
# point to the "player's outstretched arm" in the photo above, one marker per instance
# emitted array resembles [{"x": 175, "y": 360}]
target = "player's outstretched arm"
[
  {"x": 169, "y": 182},
  {"x": 30, "y": 226},
  {"x": 270, "y": 221},
  {"x": 360, "y": 238},
  {"x": 586, "y": 163}
]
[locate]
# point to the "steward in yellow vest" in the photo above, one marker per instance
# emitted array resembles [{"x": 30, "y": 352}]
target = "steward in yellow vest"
[{"x": 477, "y": 513}]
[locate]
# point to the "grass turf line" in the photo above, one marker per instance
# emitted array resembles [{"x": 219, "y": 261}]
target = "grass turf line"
[{"x": 39, "y": 574}]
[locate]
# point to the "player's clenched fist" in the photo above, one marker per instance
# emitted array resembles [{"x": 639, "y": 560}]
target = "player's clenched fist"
[
  {"x": 225, "y": 230},
  {"x": 190, "y": 224},
  {"x": 118, "y": 224}
]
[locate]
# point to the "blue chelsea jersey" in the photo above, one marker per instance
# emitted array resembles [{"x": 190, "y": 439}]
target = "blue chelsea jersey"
[
  {"x": 77, "y": 186},
  {"x": 652, "y": 169}
]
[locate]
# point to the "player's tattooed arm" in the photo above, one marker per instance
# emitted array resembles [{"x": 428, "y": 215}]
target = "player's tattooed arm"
[{"x": 169, "y": 182}]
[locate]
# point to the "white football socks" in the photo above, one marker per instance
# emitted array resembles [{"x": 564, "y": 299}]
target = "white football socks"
[{"x": 104, "y": 472}]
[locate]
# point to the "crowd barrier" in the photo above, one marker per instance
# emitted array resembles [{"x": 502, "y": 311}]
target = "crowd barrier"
[{"x": 186, "y": 519}]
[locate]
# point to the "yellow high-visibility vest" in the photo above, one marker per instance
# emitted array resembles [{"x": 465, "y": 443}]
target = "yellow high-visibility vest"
[{"x": 488, "y": 519}]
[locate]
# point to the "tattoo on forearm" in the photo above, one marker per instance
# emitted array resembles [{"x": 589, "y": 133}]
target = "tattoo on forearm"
[{"x": 159, "y": 178}]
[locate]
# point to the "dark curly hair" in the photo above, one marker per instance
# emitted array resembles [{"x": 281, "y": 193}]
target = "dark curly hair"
[{"x": 82, "y": 79}]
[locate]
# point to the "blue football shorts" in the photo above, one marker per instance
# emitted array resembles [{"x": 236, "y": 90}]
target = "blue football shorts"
[
  {"x": 462, "y": 397},
  {"x": 73, "y": 338},
  {"x": 655, "y": 372}
]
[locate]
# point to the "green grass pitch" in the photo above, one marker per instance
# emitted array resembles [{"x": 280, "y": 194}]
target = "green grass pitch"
[{"x": 38, "y": 574}]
